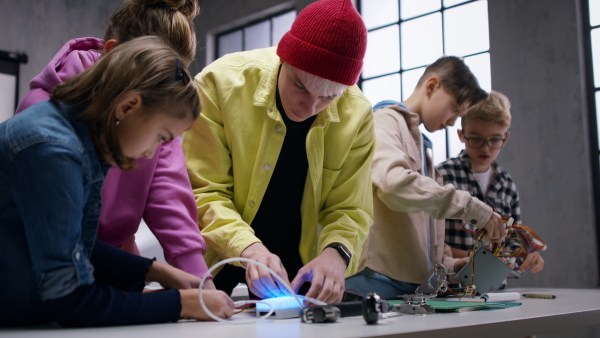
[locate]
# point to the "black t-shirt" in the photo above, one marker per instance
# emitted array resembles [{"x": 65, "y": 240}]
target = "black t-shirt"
[{"x": 278, "y": 222}]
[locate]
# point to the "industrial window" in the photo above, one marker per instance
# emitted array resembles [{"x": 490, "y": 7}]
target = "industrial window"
[
  {"x": 591, "y": 21},
  {"x": 261, "y": 33},
  {"x": 407, "y": 35}
]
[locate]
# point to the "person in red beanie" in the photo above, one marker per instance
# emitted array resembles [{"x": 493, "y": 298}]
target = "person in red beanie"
[{"x": 287, "y": 179}]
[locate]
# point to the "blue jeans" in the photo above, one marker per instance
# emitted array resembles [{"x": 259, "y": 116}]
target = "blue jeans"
[{"x": 369, "y": 280}]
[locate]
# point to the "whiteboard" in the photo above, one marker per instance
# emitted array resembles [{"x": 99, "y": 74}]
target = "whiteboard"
[
  {"x": 8, "y": 87},
  {"x": 9, "y": 82}
]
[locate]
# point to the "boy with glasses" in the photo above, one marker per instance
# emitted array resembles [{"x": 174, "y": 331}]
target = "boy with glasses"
[{"x": 484, "y": 132}]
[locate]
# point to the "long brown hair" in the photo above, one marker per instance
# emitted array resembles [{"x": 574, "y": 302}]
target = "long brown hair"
[
  {"x": 172, "y": 20},
  {"x": 144, "y": 65}
]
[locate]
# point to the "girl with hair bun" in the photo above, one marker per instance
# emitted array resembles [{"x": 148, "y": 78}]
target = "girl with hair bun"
[{"x": 159, "y": 190}]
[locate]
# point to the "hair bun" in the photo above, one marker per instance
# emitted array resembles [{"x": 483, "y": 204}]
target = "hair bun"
[{"x": 189, "y": 8}]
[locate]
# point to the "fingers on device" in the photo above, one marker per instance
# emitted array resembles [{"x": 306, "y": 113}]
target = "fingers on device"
[{"x": 490, "y": 271}]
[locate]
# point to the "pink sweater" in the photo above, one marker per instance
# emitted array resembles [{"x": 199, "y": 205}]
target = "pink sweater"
[{"x": 159, "y": 190}]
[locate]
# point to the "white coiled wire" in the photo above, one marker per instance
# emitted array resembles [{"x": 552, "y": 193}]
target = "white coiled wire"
[{"x": 245, "y": 302}]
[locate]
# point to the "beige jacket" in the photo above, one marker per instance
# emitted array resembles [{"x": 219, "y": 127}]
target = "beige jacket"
[{"x": 406, "y": 203}]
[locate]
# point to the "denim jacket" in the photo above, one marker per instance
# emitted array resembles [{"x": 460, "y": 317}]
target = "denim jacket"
[{"x": 50, "y": 202}]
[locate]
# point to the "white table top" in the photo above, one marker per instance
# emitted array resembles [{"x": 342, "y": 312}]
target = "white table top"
[{"x": 572, "y": 308}]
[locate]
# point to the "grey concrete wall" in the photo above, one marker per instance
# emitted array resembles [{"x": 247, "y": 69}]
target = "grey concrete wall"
[
  {"x": 536, "y": 60},
  {"x": 40, "y": 27}
]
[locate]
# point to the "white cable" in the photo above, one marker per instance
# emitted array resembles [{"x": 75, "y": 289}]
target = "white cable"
[{"x": 271, "y": 310}]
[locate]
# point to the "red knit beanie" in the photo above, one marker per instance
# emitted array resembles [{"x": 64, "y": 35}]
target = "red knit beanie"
[{"x": 328, "y": 39}]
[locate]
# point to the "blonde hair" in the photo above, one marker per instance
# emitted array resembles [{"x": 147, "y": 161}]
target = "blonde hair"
[
  {"x": 146, "y": 66},
  {"x": 321, "y": 86},
  {"x": 494, "y": 109},
  {"x": 172, "y": 20}
]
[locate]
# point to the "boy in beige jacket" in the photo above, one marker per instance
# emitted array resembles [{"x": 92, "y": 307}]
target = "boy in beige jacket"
[{"x": 410, "y": 203}]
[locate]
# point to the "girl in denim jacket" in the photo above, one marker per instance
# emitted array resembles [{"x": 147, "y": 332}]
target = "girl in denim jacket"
[
  {"x": 159, "y": 190},
  {"x": 53, "y": 160}
]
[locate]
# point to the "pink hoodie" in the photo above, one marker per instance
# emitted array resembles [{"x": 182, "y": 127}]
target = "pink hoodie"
[{"x": 159, "y": 190}]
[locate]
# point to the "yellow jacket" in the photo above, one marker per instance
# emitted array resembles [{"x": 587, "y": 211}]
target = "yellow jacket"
[{"x": 232, "y": 149}]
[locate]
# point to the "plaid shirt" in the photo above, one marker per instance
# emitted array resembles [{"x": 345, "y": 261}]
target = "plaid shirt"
[{"x": 502, "y": 196}]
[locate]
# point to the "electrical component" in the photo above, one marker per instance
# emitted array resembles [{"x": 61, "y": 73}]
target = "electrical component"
[
  {"x": 283, "y": 307},
  {"x": 320, "y": 314},
  {"x": 490, "y": 274},
  {"x": 373, "y": 308}
]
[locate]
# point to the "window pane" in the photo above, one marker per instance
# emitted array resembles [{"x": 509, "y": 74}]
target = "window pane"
[
  {"x": 412, "y": 8},
  {"x": 480, "y": 66},
  {"x": 448, "y": 3},
  {"x": 421, "y": 41},
  {"x": 409, "y": 81},
  {"x": 383, "y": 55},
  {"x": 438, "y": 139},
  {"x": 455, "y": 145},
  {"x": 378, "y": 13},
  {"x": 596, "y": 55},
  {"x": 598, "y": 114},
  {"x": 594, "y": 12},
  {"x": 230, "y": 43},
  {"x": 257, "y": 36},
  {"x": 281, "y": 25},
  {"x": 466, "y": 29},
  {"x": 382, "y": 88}
]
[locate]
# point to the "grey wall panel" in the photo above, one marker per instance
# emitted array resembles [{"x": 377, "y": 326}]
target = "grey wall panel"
[
  {"x": 536, "y": 61},
  {"x": 40, "y": 27}
]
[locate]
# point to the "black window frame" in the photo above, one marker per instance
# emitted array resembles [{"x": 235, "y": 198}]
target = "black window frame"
[
  {"x": 592, "y": 113},
  {"x": 242, "y": 28}
]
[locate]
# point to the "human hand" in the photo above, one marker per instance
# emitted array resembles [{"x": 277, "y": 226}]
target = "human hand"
[
  {"x": 460, "y": 263},
  {"x": 326, "y": 274},
  {"x": 260, "y": 282},
  {"x": 459, "y": 253},
  {"x": 494, "y": 229},
  {"x": 217, "y": 302},
  {"x": 170, "y": 277},
  {"x": 533, "y": 261},
  {"x": 209, "y": 284}
]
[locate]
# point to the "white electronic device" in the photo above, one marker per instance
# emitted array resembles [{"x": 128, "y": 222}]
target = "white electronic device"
[{"x": 283, "y": 307}]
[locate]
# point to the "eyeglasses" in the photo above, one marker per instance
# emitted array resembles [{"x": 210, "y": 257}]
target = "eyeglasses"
[{"x": 477, "y": 142}]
